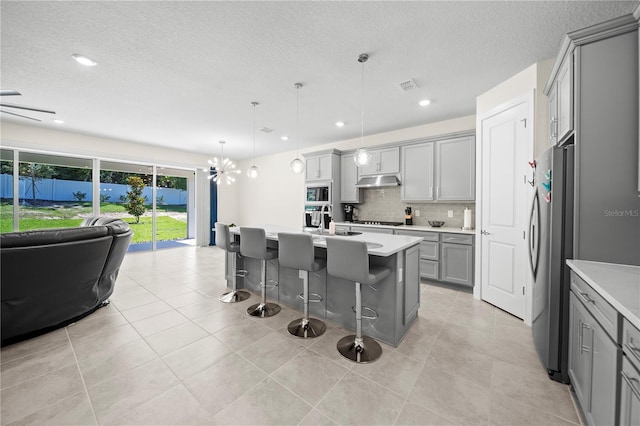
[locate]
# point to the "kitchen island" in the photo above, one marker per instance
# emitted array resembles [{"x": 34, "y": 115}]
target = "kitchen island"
[{"x": 396, "y": 299}]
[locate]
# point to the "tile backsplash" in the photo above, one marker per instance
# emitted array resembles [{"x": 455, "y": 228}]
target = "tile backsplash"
[{"x": 384, "y": 204}]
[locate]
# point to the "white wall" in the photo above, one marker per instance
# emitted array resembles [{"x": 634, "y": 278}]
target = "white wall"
[
  {"x": 276, "y": 197},
  {"x": 59, "y": 141},
  {"x": 531, "y": 78}
]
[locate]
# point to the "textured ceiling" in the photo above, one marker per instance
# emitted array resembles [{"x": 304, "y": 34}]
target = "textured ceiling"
[{"x": 183, "y": 74}]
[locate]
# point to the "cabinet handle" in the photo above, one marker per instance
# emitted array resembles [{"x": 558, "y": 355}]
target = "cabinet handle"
[
  {"x": 630, "y": 381},
  {"x": 438, "y": 192},
  {"x": 583, "y": 348},
  {"x": 586, "y": 298},
  {"x": 633, "y": 350}
]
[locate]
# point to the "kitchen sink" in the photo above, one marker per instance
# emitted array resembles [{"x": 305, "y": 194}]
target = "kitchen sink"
[{"x": 348, "y": 233}]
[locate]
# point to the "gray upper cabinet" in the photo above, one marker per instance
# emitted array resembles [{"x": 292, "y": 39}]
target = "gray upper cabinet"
[
  {"x": 455, "y": 169},
  {"x": 417, "y": 172},
  {"x": 439, "y": 171},
  {"x": 565, "y": 98},
  {"x": 348, "y": 179},
  {"x": 383, "y": 161},
  {"x": 561, "y": 102},
  {"x": 318, "y": 167}
]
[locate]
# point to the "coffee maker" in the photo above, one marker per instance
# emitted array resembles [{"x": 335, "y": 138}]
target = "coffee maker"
[
  {"x": 408, "y": 217},
  {"x": 348, "y": 213}
]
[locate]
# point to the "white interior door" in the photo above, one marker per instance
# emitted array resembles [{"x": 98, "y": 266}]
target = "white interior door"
[{"x": 505, "y": 146}]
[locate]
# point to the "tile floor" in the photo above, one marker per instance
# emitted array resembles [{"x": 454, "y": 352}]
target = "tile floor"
[{"x": 166, "y": 352}]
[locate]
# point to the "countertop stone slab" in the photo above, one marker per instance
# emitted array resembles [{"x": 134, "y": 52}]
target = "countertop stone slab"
[
  {"x": 390, "y": 244},
  {"x": 617, "y": 284},
  {"x": 415, "y": 228}
]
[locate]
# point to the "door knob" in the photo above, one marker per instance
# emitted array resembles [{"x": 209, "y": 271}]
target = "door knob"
[{"x": 483, "y": 232}]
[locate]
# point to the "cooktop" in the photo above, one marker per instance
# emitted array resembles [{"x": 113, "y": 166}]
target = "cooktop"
[{"x": 377, "y": 222}]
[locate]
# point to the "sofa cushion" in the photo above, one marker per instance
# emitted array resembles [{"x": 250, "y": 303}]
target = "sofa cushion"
[{"x": 51, "y": 236}]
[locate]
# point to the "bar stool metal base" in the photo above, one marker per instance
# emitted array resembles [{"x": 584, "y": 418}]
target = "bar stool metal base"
[
  {"x": 313, "y": 328},
  {"x": 263, "y": 310},
  {"x": 234, "y": 296},
  {"x": 368, "y": 352}
]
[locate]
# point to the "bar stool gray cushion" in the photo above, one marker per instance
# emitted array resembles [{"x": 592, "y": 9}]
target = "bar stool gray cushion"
[
  {"x": 253, "y": 243},
  {"x": 297, "y": 252},
  {"x": 223, "y": 238},
  {"x": 349, "y": 259}
]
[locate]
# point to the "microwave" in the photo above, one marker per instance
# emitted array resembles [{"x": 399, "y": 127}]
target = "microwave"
[{"x": 318, "y": 193}]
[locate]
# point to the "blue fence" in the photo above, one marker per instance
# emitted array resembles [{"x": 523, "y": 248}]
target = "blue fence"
[{"x": 62, "y": 190}]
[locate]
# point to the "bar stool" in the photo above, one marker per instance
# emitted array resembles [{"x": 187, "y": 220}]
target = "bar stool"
[
  {"x": 349, "y": 260},
  {"x": 296, "y": 251},
  {"x": 223, "y": 239},
  {"x": 253, "y": 243}
]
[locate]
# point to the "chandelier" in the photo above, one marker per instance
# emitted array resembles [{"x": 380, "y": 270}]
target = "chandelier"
[{"x": 224, "y": 168}]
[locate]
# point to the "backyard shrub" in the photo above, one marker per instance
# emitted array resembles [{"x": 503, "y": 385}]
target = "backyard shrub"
[
  {"x": 80, "y": 196},
  {"x": 134, "y": 201}
]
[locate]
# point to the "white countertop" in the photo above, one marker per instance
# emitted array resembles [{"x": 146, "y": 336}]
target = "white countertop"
[
  {"x": 390, "y": 244},
  {"x": 618, "y": 284},
  {"x": 415, "y": 228}
]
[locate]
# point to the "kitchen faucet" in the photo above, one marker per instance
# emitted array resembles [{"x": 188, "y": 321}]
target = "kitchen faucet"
[{"x": 330, "y": 211}]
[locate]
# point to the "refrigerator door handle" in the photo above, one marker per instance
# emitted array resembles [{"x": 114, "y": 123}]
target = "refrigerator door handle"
[{"x": 534, "y": 234}]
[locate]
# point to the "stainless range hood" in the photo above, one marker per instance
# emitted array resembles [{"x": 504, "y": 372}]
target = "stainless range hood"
[{"x": 378, "y": 181}]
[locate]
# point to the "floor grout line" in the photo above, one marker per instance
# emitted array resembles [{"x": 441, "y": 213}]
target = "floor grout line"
[{"x": 84, "y": 384}]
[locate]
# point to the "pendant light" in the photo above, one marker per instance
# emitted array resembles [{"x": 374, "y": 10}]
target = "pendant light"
[
  {"x": 362, "y": 156},
  {"x": 253, "y": 170},
  {"x": 297, "y": 165},
  {"x": 224, "y": 168}
]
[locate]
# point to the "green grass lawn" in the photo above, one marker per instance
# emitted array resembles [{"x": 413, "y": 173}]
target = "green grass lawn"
[{"x": 65, "y": 215}]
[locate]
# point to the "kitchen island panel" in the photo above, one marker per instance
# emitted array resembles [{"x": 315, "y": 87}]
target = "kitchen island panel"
[{"x": 396, "y": 299}]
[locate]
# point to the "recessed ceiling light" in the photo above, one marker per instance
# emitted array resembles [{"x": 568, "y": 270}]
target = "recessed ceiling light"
[
  {"x": 84, "y": 60},
  {"x": 424, "y": 102},
  {"x": 340, "y": 123},
  {"x": 58, "y": 121},
  {"x": 285, "y": 138}
]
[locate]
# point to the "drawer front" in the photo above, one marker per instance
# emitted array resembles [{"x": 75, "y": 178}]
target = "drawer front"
[
  {"x": 429, "y": 250},
  {"x": 428, "y": 269},
  {"x": 631, "y": 343},
  {"x": 457, "y": 238},
  {"x": 427, "y": 236},
  {"x": 629, "y": 394},
  {"x": 602, "y": 311}
]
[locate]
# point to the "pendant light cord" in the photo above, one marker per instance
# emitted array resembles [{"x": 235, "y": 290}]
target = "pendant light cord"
[
  {"x": 362, "y": 106},
  {"x": 298, "y": 86},
  {"x": 255, "y": 104}
]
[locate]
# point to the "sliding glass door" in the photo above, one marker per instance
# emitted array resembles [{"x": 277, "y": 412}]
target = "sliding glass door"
[{"x": 54, "y": 191}]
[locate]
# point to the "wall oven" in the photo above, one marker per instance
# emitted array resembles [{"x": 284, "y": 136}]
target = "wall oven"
[{"x": 318, "y": 193}]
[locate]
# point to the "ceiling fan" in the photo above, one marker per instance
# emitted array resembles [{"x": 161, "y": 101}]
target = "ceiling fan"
[{"x": 4, "y": 105}]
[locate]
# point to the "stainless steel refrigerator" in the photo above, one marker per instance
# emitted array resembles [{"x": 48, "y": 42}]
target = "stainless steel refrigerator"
[{"x": 550, "y": 244}]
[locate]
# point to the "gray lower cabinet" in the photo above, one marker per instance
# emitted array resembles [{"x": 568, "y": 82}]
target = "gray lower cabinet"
[
  {"x": 593, "y": 354},
  {"x": 457, "y": 263},
  {"x": 630, "y": 376}
]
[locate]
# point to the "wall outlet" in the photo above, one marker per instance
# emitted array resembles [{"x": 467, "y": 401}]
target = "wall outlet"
[
  {"x": 450, "y": 214},
  {"x": 417, "y": 213}
]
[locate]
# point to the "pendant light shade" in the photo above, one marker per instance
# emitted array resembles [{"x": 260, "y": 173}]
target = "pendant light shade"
[
  {"x": 253, "y": 170},
  {"x": 297, "y": 165},
  {"x": 362, "y": 156},
  {"x": 224, "y": 168}
]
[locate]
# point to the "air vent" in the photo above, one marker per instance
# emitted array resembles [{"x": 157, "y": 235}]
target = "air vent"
[
  {"x": 266, "y": 130},
  {"x": 407, "y": 85}
]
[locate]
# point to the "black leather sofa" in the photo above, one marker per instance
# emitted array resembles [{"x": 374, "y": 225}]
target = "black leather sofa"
[{"x": 50, "y": 278}]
